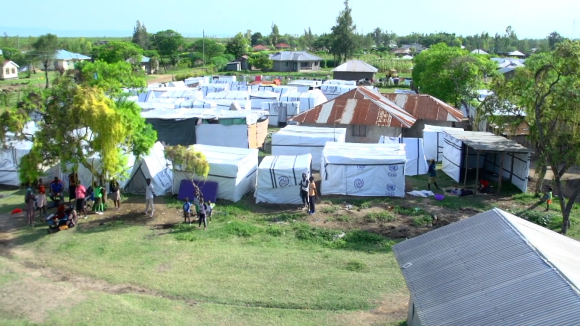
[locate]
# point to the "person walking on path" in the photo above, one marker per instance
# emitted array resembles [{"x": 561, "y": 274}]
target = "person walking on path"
[
  {"x": 81, "y": 193},
  {"x": 202, "y": 215},
  {"x": 304, "y": 190},
  {"x": 549, "y": 197},
  {"x": 115, "y": 193},
  {"x": 432, "y": 175},
  {"x": 312, "y": 196},
  {"x": 30, "y": 200},
  {"x": 149, "y": 195}
]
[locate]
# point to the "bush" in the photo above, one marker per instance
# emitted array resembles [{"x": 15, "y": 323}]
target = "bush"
[
  {"x": 182, "y": 77},
  {"x": 409, "y": 211},
  {"x": 379, "y": 217},
  {"x": 536, "y": 217},
  {"x": 356, "y": 266},
  {"x": 220, "y": 62},
  {"x": 421, "y": 220},
  {"x": 330, "y": 209}
]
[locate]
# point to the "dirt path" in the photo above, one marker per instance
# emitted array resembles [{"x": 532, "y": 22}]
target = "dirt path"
[{"x": 161, "y": 79}]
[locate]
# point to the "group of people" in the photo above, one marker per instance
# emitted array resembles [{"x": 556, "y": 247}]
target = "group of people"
[
  {"x": 203, "y": 210},
  {"x": 79, "y": 197},
  {"x": 308, "y": 193}
]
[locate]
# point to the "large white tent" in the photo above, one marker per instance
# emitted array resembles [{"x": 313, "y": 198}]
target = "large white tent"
[
  {"x": 262, "y": 97},
  {"x": 279, "y": 178},
  {"x": 363, "y": 170},
  {"x": 332, "y": 91},
  {"x": 416, "y": 161},
  {"x": 433, "y": 138},
  {"x": 153, "y": 166},
  {"x": 297, "y": 140},
  {"x": 10, "y": 159},
  {"x": 280, "y": 112},
  {"x": 214, "y": 88},
  {"x": 225, "y": 99},
  {"x": 485, "y": 151},
  {"x": 234, "y": 169},
  {"x": 308, "y": 100}
]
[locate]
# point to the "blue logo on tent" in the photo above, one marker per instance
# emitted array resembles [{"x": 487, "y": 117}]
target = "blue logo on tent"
[
  {"x": 359, "y": 183},
  {"x": 393, "y": 167},
  {"x": 361, "y": 167},
  {"x": 283, "y": 181},
  {"x": 391, "y": 187}
]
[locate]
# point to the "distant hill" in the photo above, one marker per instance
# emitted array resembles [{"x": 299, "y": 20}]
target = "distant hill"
[{"x": 36, "y": 31}]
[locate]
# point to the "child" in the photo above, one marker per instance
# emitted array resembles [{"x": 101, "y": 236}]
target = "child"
[
  {"x": 30, "y": 201},
  {"x": 187, "y": 211},
  {"x": 201, "y": 215},
  {"x": 312, "y": 195},
  {"x": 98, "y": 206},
  {"x": 209, "y": 211},
  {"x": 432, "y": 174},
  {"x": 549, "y": 197},
  {"x": 41, "y": 202}
]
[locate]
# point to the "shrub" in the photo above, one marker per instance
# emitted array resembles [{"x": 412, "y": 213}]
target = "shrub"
[
  {"x": 421, "y": 220},
  {"x": 379, "y": 217},
  {"x": 330, "y": 209},
  {"x": 343, "y": 218},
  {"x": 356, "y": 266},
  {"x": 536, "y": 217},
  {"x": 182, "y": 77}
]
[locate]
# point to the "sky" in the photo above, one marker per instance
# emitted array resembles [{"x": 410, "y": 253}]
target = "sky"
[{"x": 224, "y": 18}]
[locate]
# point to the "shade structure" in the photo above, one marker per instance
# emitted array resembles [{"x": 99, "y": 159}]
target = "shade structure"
[
  {"x": 363, "y": 169},
  {"x": 298, "y": 140},
  {"x": 279, "y": 178},
  {"x": 234, "y": 169}
]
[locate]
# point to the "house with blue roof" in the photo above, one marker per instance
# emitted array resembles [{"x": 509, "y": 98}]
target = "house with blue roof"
[
  {"x": 65, "y": 60},
  {"x": 286, "y": 61}
]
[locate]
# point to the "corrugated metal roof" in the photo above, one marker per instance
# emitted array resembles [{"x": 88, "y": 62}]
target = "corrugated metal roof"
[
  {"x": 355, "y": 66},
  {"x": 294, "y": 56},
  {"x": 66, "y": 55},
  {"x": 486, "y": 141},
  {"x": 492, "y": 269},
  {"x": 359, "y": 106},
  {"x": 423, "y": 106}
]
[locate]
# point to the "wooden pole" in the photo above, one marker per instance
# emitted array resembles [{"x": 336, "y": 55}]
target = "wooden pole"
[
  {"x": 500, "y": 173},
  {"x": 477, "y": 174},
  {"x": 466, "y": 158}
]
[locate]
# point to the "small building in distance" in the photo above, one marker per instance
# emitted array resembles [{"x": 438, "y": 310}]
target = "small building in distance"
[
  {"x": 9, "y": 70},
  {"x": 240, "y": 63},
  {"x": 286, "y": 61},
  {"x": 64, "y": 60},
  {"x": 258, "y": 48},
  {"x": 282, "y": 46},
  {"x": 354, "y": 70},
  {"x": 146, "y": 64}
]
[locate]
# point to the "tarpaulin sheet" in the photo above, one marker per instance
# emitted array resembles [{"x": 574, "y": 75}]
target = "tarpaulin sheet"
[{"x": 208, "y": 189}]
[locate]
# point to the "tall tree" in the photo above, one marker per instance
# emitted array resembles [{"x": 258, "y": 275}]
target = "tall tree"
[
  {"x": 378, "y": 36},
  {"x": 275, "y": 34},
  {"x": 237, "y": 46},
  {"x": 344, "y": 43},
  {"x": 256, "y": 37},
  {"x": 547, "y": 89},
  {"x": 116, "y": 51},
  {"x": 45, "y": 48},
  {"x": 308, "y": 39},
  {"x": 140, "y": 36},
  {"x": 168, "y": 43},
  {"x": 554, "y": 39},
  {"x": 212, "y": 48}
]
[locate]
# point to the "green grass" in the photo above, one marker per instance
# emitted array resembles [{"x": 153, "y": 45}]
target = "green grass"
[{"x": 379, "y": 217}]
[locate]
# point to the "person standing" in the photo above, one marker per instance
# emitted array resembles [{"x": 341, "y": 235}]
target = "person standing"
[
  {"x": 186, "y": 211},
  {"x": 304, "y": 190},
  {"x": 312, "y": 196},
  {"x": 56, "y": 189},
  {"x": 115, "y": 193},
  {"x": 432, "y": 172},
  {"x": 99, "y": 205},
  {"x": 549, "y": 197},
  {"x": 72, "y": 186},
  {"x": 30, "y": 200},
  {"x": 41, "y": 202},
  {"x": 80, "y": 194},
  {"x": 149, "y": 195},
  {"x": 202, "y": 215}
]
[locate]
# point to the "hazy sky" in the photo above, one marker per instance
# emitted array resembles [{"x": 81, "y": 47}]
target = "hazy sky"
[{"x": 529, "y": 18}]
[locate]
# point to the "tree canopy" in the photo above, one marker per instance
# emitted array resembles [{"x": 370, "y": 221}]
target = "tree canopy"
[
  {"x": 343, "y": 33},
  {"x": 116, "y": 51},
  {"x": 212, "y": 48},
  {"x": 45, "y": 48},
  {"x": 262, "y": 62},
  {"x": 140, "y": 36},
  {"x": 451, "y": 74},
  {"x": 237, "y": 46},
  {"x": 547, "y": 89}
]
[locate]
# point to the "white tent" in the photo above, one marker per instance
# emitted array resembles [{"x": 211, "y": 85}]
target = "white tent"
[
  {"x": 214, "y": 88},
  {"x": 433, "y": 138},
  {"x": 332, "y": 91},
  {"x": 297, "y": 140},
  {"x": 9, "y": 161},
  {"x": 284, "y": 89},
  {"x": 87, "y": 178},
  {"x": 485, "y": 151},
  {"x": 177, "y": 84},
  {"x": 224, "y": 99},
  {"x": 363, "y": 170},
  {"x": 416, "y": 161},
  {"x": 154, "y": 166},
  {"x": 234, "y": 169},
  {"x": 339, "y": 82},
  {"x": 188, "y": 94},
  {"x": 279, "y": 178},
  {"x": 196, "y": 104},
  {"x": 280, "y": 112},
  {"x": 308, "y": 100},
  {"x": 262, "y": 97}
]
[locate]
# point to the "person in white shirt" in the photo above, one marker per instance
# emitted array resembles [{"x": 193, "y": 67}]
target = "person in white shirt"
[
  {"x": 149, "y": 195},
  {"x": 304, "y": 190}
]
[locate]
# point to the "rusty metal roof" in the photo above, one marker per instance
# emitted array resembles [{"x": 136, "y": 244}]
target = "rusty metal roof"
[
  {"x": 359, "y": 106},
  {"x": 427, "y": 107}
]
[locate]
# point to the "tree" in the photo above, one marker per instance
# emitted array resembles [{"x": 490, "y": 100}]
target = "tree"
[
  {"x": 14, "y": 55},
  {"x": 189, "y": 161},
  {"x": 547, "y": 90},
  {"x": 262, "y": 62},
  {"x": 212, "y": 48},
  {"x": 344, "y": 43},
  {"x": 111, "y": 78},
  {"x": 275, "y": 34},
  {"x": 117, "y": 51},
  {"x": 168, "y": 44},
  {"x": 45, "y": 48},
  {"x": 256, "y": 37},
  {"x": 451, "y": 74},
  {"x": 308, "y": 39},
  {"x": 554, "y": 39},
  {"x": 378, "y": 36},
  {"x": 77, "y": 122},
  {"x": 140, "y": 36},
  {"x": 237, "y": 46}
]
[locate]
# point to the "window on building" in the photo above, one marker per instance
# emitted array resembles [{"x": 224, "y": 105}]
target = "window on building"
[
  {"x": 13, "y": 70},
  {"x": 359, "y": 131},
  {"x": 7, "y": 71}
]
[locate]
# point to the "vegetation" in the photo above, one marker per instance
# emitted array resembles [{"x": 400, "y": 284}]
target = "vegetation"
[
  {"x": 237, "y": 46},
  {"x": 343, "y": 34},
  {"x": 45, "y": 48},
  {"x": 116, "y": 51}
]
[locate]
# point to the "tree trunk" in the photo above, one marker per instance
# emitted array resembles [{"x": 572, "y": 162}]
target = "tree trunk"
[
  {"x": 565, "y": 206},
  {"x": 46, "y": 72},
  {"x": 540, "y": 177}
]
